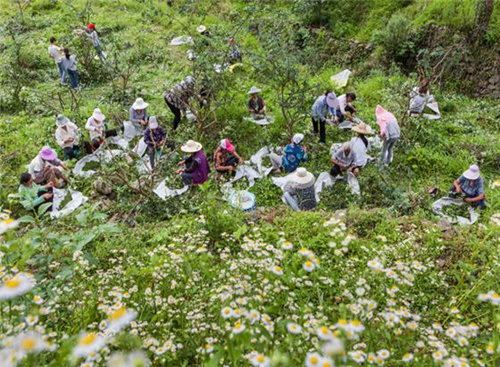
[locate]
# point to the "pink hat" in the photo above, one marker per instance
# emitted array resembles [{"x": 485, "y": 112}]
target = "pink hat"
[
  {"x": 47, "y": 154},
  {"x": 226, "y": 144},
  {"x": 383, "y": 117}
]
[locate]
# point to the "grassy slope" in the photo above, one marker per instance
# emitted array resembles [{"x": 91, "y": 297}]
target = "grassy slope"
[{"x": 430, "y": 153}]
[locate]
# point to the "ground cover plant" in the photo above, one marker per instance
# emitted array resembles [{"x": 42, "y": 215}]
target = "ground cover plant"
[{"x": 132, "y": 280}]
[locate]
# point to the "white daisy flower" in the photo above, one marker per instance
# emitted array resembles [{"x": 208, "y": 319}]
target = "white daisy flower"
[
  {"x": 326, "y": 362},
  {"x": 293, "y": 328},
  {"x": 333, "y": 347},
  {"x": 254, "y": 316},
  {"x": 313, "y": 360},
  {"x": 238, "y": 328},
  {"x": 16, "y": 286},
  {"x": 88, "y": 343},
  {"x": 29, "y": 342},
  {"x": 260, "y": 360},
  {"x": 38, "y": 300},
  {"x": 287, "y": 245},
  {"x": 208, "y": 348},
  {"x": 7, "y": 224},
  {"x": 31, "y": 320},
  {"x": 324, "y": 333},
  {"x": 383, "y": 353},
  {"x": 120, "y": 318},
  {"x": 407, "y": 357},
  {"x": 227, "y": 312},
  {"x": 308, "y": 266},
  {"x": 278, "y": 270},
  {"x": 133, "y": 359}
]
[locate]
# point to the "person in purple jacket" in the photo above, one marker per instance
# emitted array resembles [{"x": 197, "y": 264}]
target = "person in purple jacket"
[{"x": 196, "y": 165}]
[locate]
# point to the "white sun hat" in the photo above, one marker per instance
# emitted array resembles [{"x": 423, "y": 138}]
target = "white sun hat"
[
  {"x": 61, "y": 120},
  {"x": 139, "y": 104},
  {"x": 302, "y": 178},
  {"x": 153, "y": 122},
  {"x": 243, "y": 200},
  {"x": 472, "y": 173},
  {"x": 298, "y": 138},
  {"x": 98, "y": 115},
  {"x": 201, "y": 29},
  {"x": 191, "y": 146},
  {"x": 254, "y": 90},
  {"x": 332, "y": 100}
]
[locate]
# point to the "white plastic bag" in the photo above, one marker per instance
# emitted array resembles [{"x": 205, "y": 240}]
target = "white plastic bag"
[{"x": 341, "y": 78}]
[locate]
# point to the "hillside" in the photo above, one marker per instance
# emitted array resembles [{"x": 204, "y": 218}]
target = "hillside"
[{"x": 191, "y": 281}]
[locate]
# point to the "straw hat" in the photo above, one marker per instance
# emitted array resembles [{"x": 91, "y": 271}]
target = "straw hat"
[
  {"x": 153, "y": 122},
  {"x": 472, "y": 173},
  {"x": 47, "y": 154},
  {"x": 61, "y": 121},
  {"x": 139, "y": 104},
  {"x": 98, "y": 115},
  {"x": 363, "y": 128},
  {"x": 201, "y": 29},
  {"x": 254, "y": 90},
  {"x": 332, "y": 101},
  {"x": 301, "y": 178},
  {"x": 191, "y": 146}
]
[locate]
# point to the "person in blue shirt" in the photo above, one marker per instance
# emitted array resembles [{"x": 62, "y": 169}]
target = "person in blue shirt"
[
  {"x": 293, "y": 154},
  {"x": 324, "y": 105},
  {"x": 471, "y": 187}
]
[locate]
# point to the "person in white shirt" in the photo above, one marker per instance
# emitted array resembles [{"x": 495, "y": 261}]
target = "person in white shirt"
[
  {"x": 360, "y": 146},
  {"x": 69, "y": 62},
  {"x": 67, "y": 134},
  {"x": 97, "y": 130},
  {"x": 420, "y": 97},
  {"x": 345, "y": 106},
  {"x": 55, "y": 54}
]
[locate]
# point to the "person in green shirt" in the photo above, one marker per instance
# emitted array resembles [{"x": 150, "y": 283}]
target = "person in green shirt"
[{"x": 32, "y": 195}]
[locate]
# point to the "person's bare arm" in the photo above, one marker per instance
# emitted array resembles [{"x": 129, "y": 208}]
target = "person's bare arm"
[
  {"x": 458, "y": 188},
  {"x": 474, "y": 199}
]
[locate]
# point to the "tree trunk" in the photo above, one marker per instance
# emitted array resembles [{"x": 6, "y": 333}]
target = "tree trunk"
[{"x": 483, "y": 16}]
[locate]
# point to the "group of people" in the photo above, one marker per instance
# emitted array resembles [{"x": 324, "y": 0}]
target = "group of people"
[{"x": 46, "y": 171}]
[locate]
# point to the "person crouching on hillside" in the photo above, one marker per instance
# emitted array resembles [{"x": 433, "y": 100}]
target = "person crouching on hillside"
[
  {"x": 345, "y": 109},
  {"x": 46, "y": 168},
  {"x": 471, "y": 187},
  {"x": 67, "y": 134},
  {"x": 97, "y": 130},
  {"x": 256, "y": 104},
  {"x": 226, "y": 159},
  {"x": 31, "y": 195},
  {"x": 196, "y": 168},
  {"x": 299, "y": 192},
  {"x": 360, "y": 146},
  {"x": 294, "y": 154}
]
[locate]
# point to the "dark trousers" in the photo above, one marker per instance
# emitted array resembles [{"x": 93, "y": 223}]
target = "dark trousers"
[
  {"x": 322, "y": 129},
  {"x": 339, "y": 115},
  {"x": 73, "y": 78},
  {"x": 335, "y": 171},
  {"x": 230, "y": 161},
  {"x": 481, "y": 204},
  {"x": 152, "y": 153},
  {"x": 96, "y": 143},
  {"x": 177, "y": 113},
  {"x": 71, "y": 152}
]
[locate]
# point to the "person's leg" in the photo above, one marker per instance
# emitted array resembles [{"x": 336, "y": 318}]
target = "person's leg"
[
  {"x": 151, "y": 154},
  {"x": 335, "y": 171},
  {"x": 109, "y": 133},
  {"x": 322, "y": 131},
  {"x": 176, "y": 112},
  {"x": 315, "y": 125},
  {"x": 276, "y": 160},
  {"x": 349, "y": 109},
  {"x": 383, "y": 154},
  {"x": 68, "y": 152},
  {"x": 62, "y": 72},
  {"x": 390, "y": 150},
  {"x": 231, "y": 160},
  {"x": 340, "y": 117},
  {"x": 290, "y": 200},
  {"x": 73, "y": 78},
  {"x": 187, "y": 178}
]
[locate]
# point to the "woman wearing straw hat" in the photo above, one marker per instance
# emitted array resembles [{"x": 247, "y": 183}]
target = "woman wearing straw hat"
[
  {"x": 299, "y": 192},
  {"x": 138, "y": 114},
  {"x": 256, "y": 104},
  {"x": 196, "y": 165},
  {"x": 471, "y": 186},
  {"x": 97, "y": 129},
  {"x": 67, "y": 134},
  {"x": 389, "y": 131},
  {"x": 46, "y": 168},
  {"x": 360, "y": 146}
]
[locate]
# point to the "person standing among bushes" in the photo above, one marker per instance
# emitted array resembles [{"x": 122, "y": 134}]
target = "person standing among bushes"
[
  {"x": 389, "y": 131},
  {"x": 294, "y": 154},
  {"x": 55, "y": 53},
  {"x": 471, "y": 187},
  {"x": 226, "y": 159},
  {"x": 178, "y": 98},
  {"x": 97, "y": 130},
  {"x": 67, "y": 134},
  {"x": 69, "y": 62},
  {"x": 96, "y": 42},
  {"x": 360, "y": 146},
  {"x": 324, "y": 104},
  {"x": 31, "y": 195},
  {"x": 196, "y": 168},
  {"x": 154, "y": 138}
]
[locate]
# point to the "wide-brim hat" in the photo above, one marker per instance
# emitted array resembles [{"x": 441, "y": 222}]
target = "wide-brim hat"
[
  {"x": 139, "y": 104},
  {"x": 472, "y": 173},
  {"x": 331, "y": 100},
  {"x": 98, "y": 115},
  {"x": 254, "y": 90},
  {"x": 362, "y": 128},
  {"x": 61, "y": 121},
  {"x": 153, "y": 122},
  {"x": 191, "y": 146},
  {"x": 47, "y": 154},
  {"x": 201, "y": 29},
  {"x": 302, "y": 178},
  {"x": 243, "y": 200}
]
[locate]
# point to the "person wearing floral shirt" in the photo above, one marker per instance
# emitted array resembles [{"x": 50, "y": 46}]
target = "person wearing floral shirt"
[
  {"x": 294, "y": 154},
  {"x": 154, "y": 137}
]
